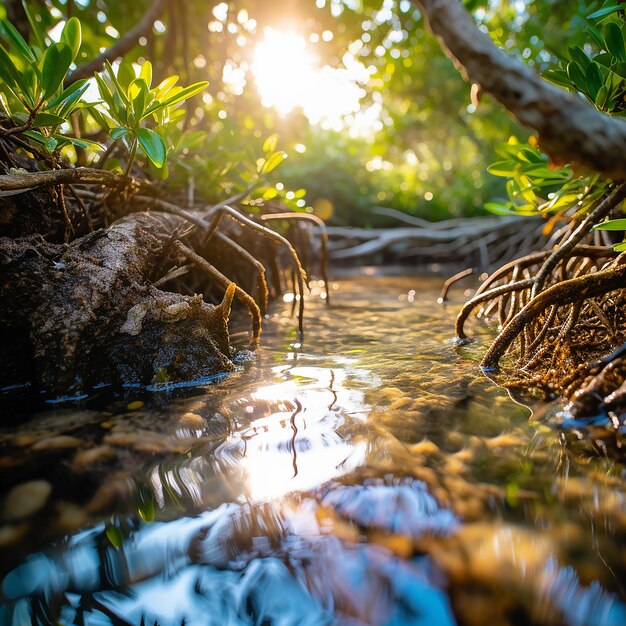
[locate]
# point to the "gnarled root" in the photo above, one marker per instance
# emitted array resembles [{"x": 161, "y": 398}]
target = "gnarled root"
[{"x": 85, "y": 313}]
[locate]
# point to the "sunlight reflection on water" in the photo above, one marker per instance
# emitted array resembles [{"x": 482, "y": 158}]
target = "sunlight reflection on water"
[{"x": 368, "y": 475}]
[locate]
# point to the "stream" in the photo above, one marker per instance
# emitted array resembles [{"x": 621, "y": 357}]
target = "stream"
[{"x": 369, "y": 474}]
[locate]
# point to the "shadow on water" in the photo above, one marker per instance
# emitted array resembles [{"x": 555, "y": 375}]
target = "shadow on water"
[{"x": 367, "y": 476}]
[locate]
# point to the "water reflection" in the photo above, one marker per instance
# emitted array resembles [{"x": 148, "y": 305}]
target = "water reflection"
[
  {"x": 240, "y": 564},
  {"x": 367, "y": 476}
]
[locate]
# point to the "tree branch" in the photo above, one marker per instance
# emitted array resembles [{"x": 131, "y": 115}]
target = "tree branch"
[
  {"x": 121, "y": 46},
  {"x": 569, "y": 129},
  {"x": 80, "y": 175}
]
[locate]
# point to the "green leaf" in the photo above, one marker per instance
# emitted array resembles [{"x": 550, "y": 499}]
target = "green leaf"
[
  {"x": 83, "y": 143},
  {"x": 604, "y": 58},
  {"x": 126, "y": 74},
  {"x": 558, "y": 77},
  {"x": 576, "y": 76},
  {"x": 153, "y": 145},
  {"x": 269, "y": 145},
  {"x": 74, "y": 102},
  {"x": 55, "y": 64},
  {"x": 604, "y": 11},
  {"x": 15, "y": 39},
  {"x": 577, "y": 54},
  {"x": 115, "y": 537},
  {"x": 79, "y": 86},
  {"x": 35, "y": 26},
  {"x": 103, "y": 120},
  {"x": 508, "y": 208},
  {"x": 619, "y": 69},
  {"x": 502, "y": 168},
  {"x": 619, "y": 224},
  {"x": 614, "y": 40},
  {"x": 116, "y": 84},
  {"x": 594, "y": 79},
  {"x": 8, "y": 71},
  {"x": 138, "y": 94},
  {"x": 619, "y": 247},
  {"x": 51, "y": 144},
  {"x": 117, "y": 133},
  {"x": 602, "y": 97},
  {"x": 596, "y": 35},
  {"x": 47, "y": 119},
  {"x": 272, "y": 162},
  {"x": 184, "y": 94},
  {"x": 72, "y": 35},
  {"x": 146, "y": 73},
  {"x": 164, "y": 86}
]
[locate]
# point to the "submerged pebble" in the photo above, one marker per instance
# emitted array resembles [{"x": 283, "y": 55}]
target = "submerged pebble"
[{"x": 26, "y": 499}]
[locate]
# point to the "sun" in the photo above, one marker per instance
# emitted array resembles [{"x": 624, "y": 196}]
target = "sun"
[{"x": 288, "y": 76}]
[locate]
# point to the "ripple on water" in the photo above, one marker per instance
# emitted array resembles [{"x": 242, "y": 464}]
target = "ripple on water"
[{"x": 369, "y": 475}]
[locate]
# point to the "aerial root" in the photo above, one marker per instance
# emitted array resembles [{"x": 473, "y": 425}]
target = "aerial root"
[
  {"x": 573, "y": 291},
  {"x": 323, "y": 240},
  {"x": 203, "y": 265},
  {"x": 443, "y": 295},
  {"x": 208, "y": 228},
  {"x": 262, "y": 290},
  {"x": 300, "y": 274},
  {"x": 494, "y": 293},
  {"x": 495, "y": 290}
]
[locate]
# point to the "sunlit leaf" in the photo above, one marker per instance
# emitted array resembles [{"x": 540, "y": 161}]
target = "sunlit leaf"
[
  {"x": 184, "y": 94},
  {"x": 84, "y": 143},
  {"x": 138, "y": 93},
  {"x": 146, "y": 73},
  {"x": 619, "y": 224},
  {"x": 119, "y": 132},
  {"x": 502, "y": 168},
  {"x": 272, "y": 162},
  {"x": 269, "y": 145},
  {"x": 164, "y": 86},
  {"x": 55, "y": 64},
  {"x": 35, "y": 26},
  {"x": 153, "y": 145},
  {"x": 508, "y": 208},
  {"x": 17, "y": 41},
  {"x": 604, "y": 11},
  {"x": 72, "y": 35}
]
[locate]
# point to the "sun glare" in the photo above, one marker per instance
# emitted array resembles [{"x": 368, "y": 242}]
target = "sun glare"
[{"x": 288, "y": 76}]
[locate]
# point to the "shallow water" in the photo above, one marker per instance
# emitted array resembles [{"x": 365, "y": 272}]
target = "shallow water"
[{"x": 369, "y": 475}]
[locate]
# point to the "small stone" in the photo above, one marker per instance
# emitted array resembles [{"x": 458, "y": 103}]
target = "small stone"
[
  {"x": 57, "y": 443},
  {"x": 193, "y": 421},
  {"x": 26, "y": 499},
  {"x": 70, "y": 517},
  {"x": 10, "y": 534},
  {"x": 84, "y": 460}
]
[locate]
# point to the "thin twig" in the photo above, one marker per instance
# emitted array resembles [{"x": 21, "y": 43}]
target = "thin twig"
[{"x": 124, "y": 44}]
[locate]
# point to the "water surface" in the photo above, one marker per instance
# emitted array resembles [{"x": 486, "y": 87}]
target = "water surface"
[{"x": 366, "y": 475}]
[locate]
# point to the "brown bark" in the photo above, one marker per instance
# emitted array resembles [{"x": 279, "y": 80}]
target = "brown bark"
[
  {"x": 84, "y": 313},
  {"x": 569, "y": 129}
]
